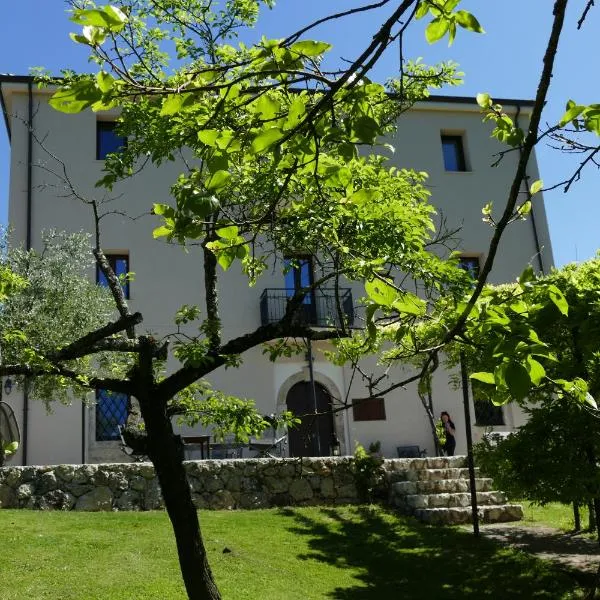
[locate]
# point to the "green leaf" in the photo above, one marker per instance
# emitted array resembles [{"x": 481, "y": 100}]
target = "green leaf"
[
  {"x": 105, "y": 81},
  {"x": 536, "y": 370},
  {"x": 109, "y": 17},
  {"x": 267, "y": 107},
  {"x": 410, "y": 304},
  {"x": 296, "y": 111},
  {"x": 96, "y": 36},
  {"x": 436, "y": 30},
  {"x": 77, "y": 97},
  {"x": 163, "y": 210},
  {"x": 266, "y": 139},
  {"x": 536, "y": 186},
  {"x": 484, "y": 100},
  {"x": 525, "y": 208},
  {"x": 517, "y": 379},
  {"x": 175, "y": 103},
  {"x": 558, "y": 299},
  {"x": 573, "y": 111},
  {"x": 161, "y": 231},
  {"x": 310, "y": 48},
  {"x": 527, "y": 275},
  {"x": 366, "y": 129},
  {"x": 381, "y": 292},
  {"x": 468, "y": 21},
  {"x": 484, "y": 377},
  {"x": 217, "y": 180},
  {"x": 422, "y": 10},
  {"x": 364, "y": 196},
  {"x": 228, "y": 233},
  {"x": 209, "y": 136}
]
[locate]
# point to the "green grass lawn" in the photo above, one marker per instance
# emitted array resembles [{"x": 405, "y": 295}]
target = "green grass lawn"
[
  {"x": 553, "y": 514},
  {"x": 344, "y": 553}
]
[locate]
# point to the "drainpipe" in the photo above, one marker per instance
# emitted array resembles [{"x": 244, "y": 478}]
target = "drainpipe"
[
  {"x": 28, "y": 247},
  {"x": 536, "y": 238},
  {"x": 314, "y": 394}
]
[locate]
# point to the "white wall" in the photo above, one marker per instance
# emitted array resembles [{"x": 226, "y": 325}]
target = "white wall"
[{"x": 167, "y": 276}]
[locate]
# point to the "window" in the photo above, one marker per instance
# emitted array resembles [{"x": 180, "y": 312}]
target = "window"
[
  {"x": 120, "y": 265},
  {"x": 299, "y": 274},
  {"x": 486, "y": 413},
  {"x": 368, "y": 409},
  {"x": 470, "y": 264},
  {"x": 111, "y": 411},
  {"x": 454, "y": 154},
  {"x": 107, "y": 140}
]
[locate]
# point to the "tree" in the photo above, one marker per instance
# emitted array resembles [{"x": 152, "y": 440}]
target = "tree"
[
  {"x": 554, "y": 456},
  {"x": 275, "y": 169}
]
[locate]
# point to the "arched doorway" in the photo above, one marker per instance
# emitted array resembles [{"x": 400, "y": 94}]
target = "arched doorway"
[{"x": 314, "y": 434}]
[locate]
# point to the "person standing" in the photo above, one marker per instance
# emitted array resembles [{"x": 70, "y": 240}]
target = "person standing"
[{"x": 450, "y": 431}]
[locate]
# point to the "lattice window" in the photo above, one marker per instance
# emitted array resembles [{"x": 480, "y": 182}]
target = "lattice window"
[{"x": 111, "y": 411}]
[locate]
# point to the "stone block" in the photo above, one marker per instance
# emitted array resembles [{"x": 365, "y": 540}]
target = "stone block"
[
  {"x": 56, "y": 500},
  {"x": 129, "y": 500},
  {"x": 300, "y": 490},
  {"x": 99, "y": 498},
  {"x": 8, "y": 497}
]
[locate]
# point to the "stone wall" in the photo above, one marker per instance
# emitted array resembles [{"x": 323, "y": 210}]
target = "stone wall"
[{"x": 217, "y": 484}]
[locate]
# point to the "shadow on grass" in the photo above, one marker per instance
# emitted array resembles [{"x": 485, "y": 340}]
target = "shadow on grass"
[{"x": 398, "y": 558}]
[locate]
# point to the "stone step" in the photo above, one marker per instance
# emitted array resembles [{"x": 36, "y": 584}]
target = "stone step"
[
  {"x": 455, "y": 516},
  {"x": 457, "y": 500},
  {"x": 437, "y": 474},
  {"x": 440, "y": 486}
]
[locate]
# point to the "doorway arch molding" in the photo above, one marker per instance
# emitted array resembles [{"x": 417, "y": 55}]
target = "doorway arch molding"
[{"x": 332, "y": 389}]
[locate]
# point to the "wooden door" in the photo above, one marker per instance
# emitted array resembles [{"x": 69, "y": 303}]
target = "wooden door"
[{"x": 313, "y": 436}]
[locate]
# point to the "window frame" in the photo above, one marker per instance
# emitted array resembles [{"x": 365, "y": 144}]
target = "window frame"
[
  {"x": 112, "y": 258},
  {"x": 493, "y": 416},
  {"x": 103, "y": 126},
  {"x": 458, "y": 143},
  {"x": 114, "y": 396},
  {"x": 475, "y": 259},
  {"x": 369, "y": 409}
]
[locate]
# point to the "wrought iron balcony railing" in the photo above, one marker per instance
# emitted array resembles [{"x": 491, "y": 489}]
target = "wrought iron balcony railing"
[{"x": 319, "y": 308}]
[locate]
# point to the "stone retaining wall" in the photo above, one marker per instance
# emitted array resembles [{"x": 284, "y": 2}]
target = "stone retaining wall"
[{"x": 217, "y": 484}]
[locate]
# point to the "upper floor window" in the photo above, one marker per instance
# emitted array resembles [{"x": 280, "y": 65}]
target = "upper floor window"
[
  {"x": 471, "y": 265},
  {"x": 107, "y": 139},
  {"x": 454, "y": 153},
  {"x": 298, "y": 275},
  {"x": 120, "y": 265}
]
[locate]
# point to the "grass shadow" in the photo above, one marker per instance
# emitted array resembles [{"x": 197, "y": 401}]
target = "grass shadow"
[{"x": 396, "y": 557}]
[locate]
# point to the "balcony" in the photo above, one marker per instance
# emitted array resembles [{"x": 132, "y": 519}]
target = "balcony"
[{"x": 319, "y": 308}]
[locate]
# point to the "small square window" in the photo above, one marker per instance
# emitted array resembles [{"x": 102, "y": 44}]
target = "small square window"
[
  {"x": 471, "y": 265},
  {"x": 454, "y": 154},
  {"x": 368, "y": 409},
  {"x": 107, "y": 139},
  {"x": 111, "y": 411},
  {"x": 120, "y": 265},
  {"x": 487, "y": 414}
]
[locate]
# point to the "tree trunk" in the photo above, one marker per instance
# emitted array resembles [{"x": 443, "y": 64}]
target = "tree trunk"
[
  {"x": 576, "y": 516},
  {"x": 166, "y": 453},
  {"x": 427, "y": 402},
  {"x": 591, "y": 517}
]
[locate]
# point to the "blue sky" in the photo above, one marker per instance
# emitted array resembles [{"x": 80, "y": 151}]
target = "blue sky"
[{"x": 504, "y": 62}]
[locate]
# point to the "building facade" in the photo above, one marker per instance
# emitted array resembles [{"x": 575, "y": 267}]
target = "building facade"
[{"x": 448, "y": 140}]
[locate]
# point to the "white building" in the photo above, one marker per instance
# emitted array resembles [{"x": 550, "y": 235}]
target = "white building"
[{"x": 449, "y": 142}]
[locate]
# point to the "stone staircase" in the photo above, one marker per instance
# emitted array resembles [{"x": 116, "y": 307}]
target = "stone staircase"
[{"x": 437, "y": 491}]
